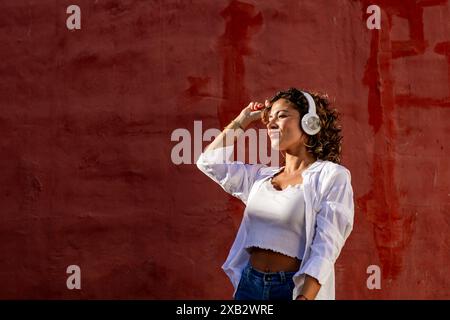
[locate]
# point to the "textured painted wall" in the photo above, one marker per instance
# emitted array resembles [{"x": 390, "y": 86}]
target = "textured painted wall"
[{"x": 86, "y": 116}]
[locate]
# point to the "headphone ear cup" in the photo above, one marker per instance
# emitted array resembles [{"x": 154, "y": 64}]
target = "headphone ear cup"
[{"x": 311, "y": 124}]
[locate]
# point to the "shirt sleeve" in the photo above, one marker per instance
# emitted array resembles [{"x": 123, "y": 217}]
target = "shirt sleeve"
[
  {"x": 334, "y": 222},
  {"x": 235, "y": 177}
]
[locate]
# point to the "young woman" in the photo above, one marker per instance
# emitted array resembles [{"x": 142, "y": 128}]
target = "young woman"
[{"x": 297, "y": 217}]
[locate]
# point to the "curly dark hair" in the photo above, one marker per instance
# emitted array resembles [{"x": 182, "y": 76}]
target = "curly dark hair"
[{"x": 325, "y": 145}]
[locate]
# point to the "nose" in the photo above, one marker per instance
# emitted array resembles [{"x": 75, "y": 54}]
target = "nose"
[{"x": 271, "y": 124}]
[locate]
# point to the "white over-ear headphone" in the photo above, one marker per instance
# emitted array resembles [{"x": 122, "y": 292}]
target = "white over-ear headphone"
[{"x": 310, "y": 121}]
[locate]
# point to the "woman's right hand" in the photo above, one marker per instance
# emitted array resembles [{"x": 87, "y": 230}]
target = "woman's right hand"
[{"x": 251, "y": 113}]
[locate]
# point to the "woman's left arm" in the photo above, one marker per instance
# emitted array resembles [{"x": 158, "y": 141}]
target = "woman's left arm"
[
  {"x": 310, "y": 289},
  {"x": 334, "y": 222}
]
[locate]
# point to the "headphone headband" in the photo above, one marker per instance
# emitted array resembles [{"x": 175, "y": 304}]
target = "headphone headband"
[{"x": 311, "y": 103}]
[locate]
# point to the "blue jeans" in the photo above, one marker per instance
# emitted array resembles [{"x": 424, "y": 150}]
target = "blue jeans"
[{"x": 257, "y": 285}]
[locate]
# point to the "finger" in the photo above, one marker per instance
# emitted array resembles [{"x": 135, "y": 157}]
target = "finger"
[{"x": 267, "y": 103}]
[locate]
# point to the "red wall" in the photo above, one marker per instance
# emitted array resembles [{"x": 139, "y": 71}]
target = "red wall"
[{"x": 86, "y": 176}]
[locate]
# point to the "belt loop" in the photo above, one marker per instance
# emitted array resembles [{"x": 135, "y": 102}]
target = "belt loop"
[{"x": 283, "y": 277}]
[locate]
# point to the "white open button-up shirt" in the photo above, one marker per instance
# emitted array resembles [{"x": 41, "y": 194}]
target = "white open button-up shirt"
[{"x": 329, "y": 212}]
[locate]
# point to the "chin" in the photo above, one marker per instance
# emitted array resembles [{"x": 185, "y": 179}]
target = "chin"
[{"x": 276, "y": 145}]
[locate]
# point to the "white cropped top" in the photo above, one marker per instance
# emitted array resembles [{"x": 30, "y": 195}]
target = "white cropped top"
[
  {"x": 311, "y": 220},
  {"x": 276, "y": 219}
]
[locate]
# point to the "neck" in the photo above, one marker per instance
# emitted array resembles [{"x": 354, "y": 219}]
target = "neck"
[{"x": 298, "y": 161}]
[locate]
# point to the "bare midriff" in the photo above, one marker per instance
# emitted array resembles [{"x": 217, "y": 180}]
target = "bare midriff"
[{"x": 265, "y": 260}]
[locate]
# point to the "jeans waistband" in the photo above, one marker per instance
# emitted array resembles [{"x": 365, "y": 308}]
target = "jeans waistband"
[{"x": 279, "y": 276}]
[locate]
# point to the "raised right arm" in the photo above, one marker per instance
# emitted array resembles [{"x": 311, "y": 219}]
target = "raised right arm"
[
  {"x": 227, "y": 137},
  {"x": 235, "y": 177}
]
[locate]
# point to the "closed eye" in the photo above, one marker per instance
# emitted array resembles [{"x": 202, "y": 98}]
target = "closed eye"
[{"x": 279, "y": 116}]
